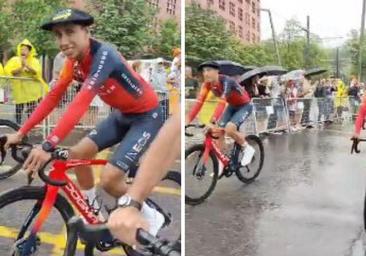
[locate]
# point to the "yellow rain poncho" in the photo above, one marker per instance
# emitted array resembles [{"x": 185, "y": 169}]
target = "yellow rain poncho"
[
  {"x": 1, "y": 70},
  {"x": 24, "y": 91},
  {"x": 341, "y": 95}
]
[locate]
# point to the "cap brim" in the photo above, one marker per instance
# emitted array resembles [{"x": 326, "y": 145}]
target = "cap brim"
[
  {"x": 49, "y": 25},
  {"x": 200, "y": 68}
]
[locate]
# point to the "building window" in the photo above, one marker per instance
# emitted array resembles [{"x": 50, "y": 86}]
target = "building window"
[
  {"x": 253, "y": 38},
  {"x": 232, "y": 9},
  {"x": 247, "y": 37},
  {"x": 240, "y": 31},
  {"x": 232, "y": 26},
  {"x": 247, "y": 18},
  {"x": 222, "y": 4},
  {"x": 154, "y": 3},
  {"x": 170, "y": 8},
  {"x": 253, "y": 23},
  {"x": 210, "y": 2},
  {"x": 253, "y": 7},
  {"x": 240, "y": 13},
  {"x": 258, "y": 26}
]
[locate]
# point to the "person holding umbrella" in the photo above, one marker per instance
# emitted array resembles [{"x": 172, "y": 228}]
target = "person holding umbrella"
[{"x": 238, "y": 110}]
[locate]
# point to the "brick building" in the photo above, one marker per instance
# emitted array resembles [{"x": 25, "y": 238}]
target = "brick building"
[{"x": 242, "y": 16}]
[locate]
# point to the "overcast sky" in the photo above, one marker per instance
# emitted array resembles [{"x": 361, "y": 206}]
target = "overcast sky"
[{"x": 328, "y": 18}]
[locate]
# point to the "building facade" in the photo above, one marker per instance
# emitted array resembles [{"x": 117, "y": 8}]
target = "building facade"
[{"x": 241, "y": 16}]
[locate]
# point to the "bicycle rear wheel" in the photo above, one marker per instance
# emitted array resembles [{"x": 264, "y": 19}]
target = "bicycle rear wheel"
[
  {"x": 249, "y": 173},
  {"x": 201, "y": 178},
  {"x": 18, "y": 210}
]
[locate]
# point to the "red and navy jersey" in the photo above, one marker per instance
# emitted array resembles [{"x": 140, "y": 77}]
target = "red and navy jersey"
[
  {"x": 227, "y": 89},
  {"x": 104, "y": 72}
]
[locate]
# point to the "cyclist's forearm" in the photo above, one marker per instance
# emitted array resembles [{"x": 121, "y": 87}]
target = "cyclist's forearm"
[
  {"x": 195, "y": 110},
  {"x": 72, "y": 116},
  {"x": 159, "y": 157},
  {"x": 218, "y": 111}
]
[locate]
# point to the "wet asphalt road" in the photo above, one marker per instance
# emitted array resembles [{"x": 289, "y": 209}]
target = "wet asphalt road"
[{"x": 308, "y": 200}]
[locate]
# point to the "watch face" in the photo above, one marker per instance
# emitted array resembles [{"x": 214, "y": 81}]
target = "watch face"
[{"x": 124, "y": 200}]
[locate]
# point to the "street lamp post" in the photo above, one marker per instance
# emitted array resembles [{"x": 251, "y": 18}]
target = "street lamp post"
[{"x": 273, "y": 35}]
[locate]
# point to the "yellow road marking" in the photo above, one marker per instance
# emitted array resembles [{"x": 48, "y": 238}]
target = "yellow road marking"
[{"x": 58, "y": 241}]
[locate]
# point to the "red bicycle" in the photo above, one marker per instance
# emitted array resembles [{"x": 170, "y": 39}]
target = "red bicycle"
[
  {"x": 203, "y": 162},
  {"x": 42, "y": 199}
]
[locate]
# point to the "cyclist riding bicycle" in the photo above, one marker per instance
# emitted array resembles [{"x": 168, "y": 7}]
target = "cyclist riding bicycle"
[
  {"x": 162, "y": 153},
  {"x": 238, "y": 110},
  {"x": 360, "y": 118},
  {"x": 134, "y": 123}
]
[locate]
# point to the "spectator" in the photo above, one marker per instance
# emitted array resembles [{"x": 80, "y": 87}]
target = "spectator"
[
  {"x": 26, "y": 93},
  {"x": 174, "y": 75},
  {"x": 305, "y": 91},
  {"x": 159, "y": 82},
  {"x": 320, "y": 94},
  {"x": 341, "y": 98},
  {"x": 191, "y": 84},
  {"x": 290, "y": 94},
  {"x": 137, "y": 66},
  {"x": 354, "y": 93},
  {"x": 250, "y": 86}
]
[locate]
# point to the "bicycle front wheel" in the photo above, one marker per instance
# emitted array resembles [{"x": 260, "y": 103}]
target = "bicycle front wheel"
[
  {"x": 201, "y": 176},
  {"x": 9, "y": 167},
  {"x": 19, "y": 209},
  {"x": 250, "y": 172}
]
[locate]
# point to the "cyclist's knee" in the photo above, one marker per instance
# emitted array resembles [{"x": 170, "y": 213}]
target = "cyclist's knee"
[
  {"x": 111, "y": 180},
  {"x": 230, "y": 129},
  {"x": 85, "y": 149}
]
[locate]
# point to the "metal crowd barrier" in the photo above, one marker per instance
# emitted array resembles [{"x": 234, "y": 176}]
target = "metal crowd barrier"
[
  {"x": 278, "y": 114},
  {"x": 96, "y": 113}
]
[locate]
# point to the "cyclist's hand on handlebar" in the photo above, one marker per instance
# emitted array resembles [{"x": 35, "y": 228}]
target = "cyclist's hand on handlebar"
[
  {"x": 36, "y": 159},
  {"x": 13, "y": 139},
  {"x": 356, "y": 136},
  {"x": 124, "y": 222}
]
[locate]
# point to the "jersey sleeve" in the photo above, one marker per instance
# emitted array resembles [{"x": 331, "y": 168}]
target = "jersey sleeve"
[
  {"x": 199, "y": 103},
  {"x": 103, "y": 65},
  {"x": 51, "y": 100},
  {"x": 360, "y": 118}
]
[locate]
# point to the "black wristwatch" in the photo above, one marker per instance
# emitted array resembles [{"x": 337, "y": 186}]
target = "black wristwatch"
[
  {"x": 47, "y": 146},
  {"x": 127, "y": 201}
]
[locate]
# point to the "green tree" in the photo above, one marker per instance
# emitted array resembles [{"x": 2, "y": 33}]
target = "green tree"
[
  {"x": 168, "y": 37},
  {"x": 22, "y": 18},
  {"x": 128, "y": 24},
  {"x": 206, "y": 35}
]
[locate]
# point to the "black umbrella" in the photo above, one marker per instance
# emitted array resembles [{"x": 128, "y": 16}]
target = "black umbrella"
[
  {"x": 263, "y": 71},
  {"x": 315, "y": 71},
  {"x": 231, "y": 68}
]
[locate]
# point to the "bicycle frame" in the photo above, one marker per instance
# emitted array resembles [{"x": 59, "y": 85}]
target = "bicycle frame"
[
  {"x": 210, "y": 145},
  {"x": 58, "y": 172}
]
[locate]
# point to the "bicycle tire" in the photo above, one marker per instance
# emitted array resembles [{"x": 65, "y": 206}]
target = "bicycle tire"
[
  {"x": 38, "y": 193},
  {"x": 258, "y": 141},
  {"x": 200, "y": 199},
  {"x": 129, "y": 251},
  {"x": 18, "y": 166}
]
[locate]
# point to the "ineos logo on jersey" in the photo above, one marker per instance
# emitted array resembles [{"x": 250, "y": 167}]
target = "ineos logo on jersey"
[
  {"x": 139, "y": 146},
  {"x": 95, "y": 76},
  {"x": 130, "y": 83}
]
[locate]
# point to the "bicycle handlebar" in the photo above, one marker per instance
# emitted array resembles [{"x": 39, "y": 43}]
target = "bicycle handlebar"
[
  {"x": 193, "y": 125},
  {"x": 355, "y": 145},
  {"x": 21, "y": 152},
  {"x": 95, "y": 233}
]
